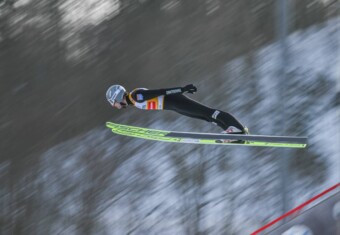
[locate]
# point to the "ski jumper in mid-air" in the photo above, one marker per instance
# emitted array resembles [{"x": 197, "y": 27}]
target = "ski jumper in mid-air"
[{"x": 173, "y": 99}]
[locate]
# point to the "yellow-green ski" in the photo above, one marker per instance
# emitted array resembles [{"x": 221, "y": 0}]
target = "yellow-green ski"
[{"x": 208, "y": 138}]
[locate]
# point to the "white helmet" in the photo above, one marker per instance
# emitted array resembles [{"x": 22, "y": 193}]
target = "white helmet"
[{"x": 115, "y": 93}]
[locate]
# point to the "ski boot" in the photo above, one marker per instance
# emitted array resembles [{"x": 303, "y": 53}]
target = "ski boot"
[{"x": 236, "y": 131}]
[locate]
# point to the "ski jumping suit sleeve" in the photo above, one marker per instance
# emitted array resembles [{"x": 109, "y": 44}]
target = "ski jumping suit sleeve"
[
  {"x": 141, "y": 94},
  {"x": 173, "y": 99}
]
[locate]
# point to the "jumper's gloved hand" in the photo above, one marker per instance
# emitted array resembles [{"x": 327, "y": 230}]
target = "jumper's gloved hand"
[{"x": 189, "y": 88}]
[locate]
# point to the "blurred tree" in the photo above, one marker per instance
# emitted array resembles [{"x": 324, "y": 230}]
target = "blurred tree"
[{"x": 190, "y": 181}]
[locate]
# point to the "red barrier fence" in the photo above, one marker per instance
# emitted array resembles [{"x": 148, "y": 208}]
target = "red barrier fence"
[{"x": 296, "y": 209}]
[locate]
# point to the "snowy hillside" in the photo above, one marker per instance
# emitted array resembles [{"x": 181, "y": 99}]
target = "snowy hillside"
[{"x": 136, "y": 186}]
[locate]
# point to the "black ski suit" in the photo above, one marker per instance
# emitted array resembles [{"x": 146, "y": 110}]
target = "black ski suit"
[{"x": 173, "y": 99}]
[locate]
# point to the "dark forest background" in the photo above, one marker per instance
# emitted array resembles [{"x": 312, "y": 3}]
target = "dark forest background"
[{"x": 54, "y": 74}]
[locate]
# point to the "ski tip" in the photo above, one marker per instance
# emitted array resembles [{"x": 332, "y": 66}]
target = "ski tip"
[{"x": 109, "y": 125}]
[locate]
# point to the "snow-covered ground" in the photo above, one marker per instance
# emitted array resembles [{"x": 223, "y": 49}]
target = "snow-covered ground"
[{"x": 146, "y": 187}]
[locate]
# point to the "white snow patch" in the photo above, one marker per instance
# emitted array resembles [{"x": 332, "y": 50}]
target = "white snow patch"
[{"x": 81, "y": 13}]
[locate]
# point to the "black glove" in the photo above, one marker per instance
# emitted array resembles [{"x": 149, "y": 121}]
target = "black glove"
[{"x": 190, "y": 89}]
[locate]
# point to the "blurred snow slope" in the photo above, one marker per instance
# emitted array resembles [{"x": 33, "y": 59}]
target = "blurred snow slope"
[{"x": 146, "y": 187}]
